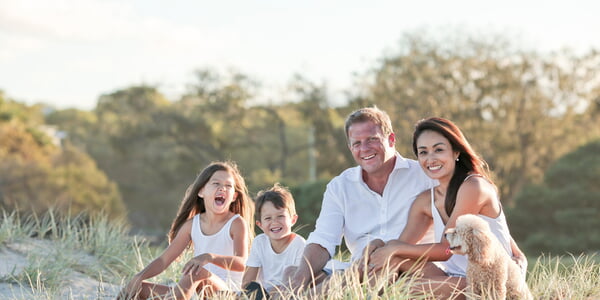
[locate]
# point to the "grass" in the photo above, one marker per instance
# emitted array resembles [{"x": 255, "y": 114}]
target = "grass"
[{"x": 58, "y": 248}]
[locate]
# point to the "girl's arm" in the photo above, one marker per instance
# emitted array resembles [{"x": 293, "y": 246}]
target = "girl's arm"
[
  {"x": 250, "y": 274},
  {"x": 158, "y": 265},
  {"x": 236, "y": 262}
]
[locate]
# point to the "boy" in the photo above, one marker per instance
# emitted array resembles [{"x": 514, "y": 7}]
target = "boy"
[{"x": 277, "y": 252}]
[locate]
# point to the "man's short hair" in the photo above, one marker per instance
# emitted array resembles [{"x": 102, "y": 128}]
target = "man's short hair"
[{"x": 374, "y": 114}]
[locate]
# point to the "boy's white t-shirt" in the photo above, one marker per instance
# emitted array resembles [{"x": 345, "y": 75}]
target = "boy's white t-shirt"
[{"x": 274, "y": 264}]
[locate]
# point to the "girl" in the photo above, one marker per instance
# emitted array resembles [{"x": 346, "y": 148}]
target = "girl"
[
  {"x": 216, "y": 216},
  {"x": 464, "y": 188}
]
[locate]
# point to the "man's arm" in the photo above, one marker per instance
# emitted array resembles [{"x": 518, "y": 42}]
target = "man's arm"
[{"x": 314, "y": 259}]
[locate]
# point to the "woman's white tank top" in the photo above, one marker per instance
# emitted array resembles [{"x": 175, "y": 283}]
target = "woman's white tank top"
[{"x": 456, "y": 265}]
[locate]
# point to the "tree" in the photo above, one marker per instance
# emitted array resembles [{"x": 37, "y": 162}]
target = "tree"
[
  {"x": 519, "y": 109},
  {"x": 38, "y": 173},
  {"x": 562, "y": 214}
]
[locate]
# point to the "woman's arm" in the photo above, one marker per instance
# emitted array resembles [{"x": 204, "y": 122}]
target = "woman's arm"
[
  {"x": 470, "y": 199},
  {"x": 518, "y": 256},
  {"x": 235, "y": 262},
  {"x": 419, "y": 222},
  {"x": 419, "y": 219}
]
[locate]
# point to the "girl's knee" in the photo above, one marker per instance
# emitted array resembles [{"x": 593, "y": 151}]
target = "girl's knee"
[{"x": 201, "y": 274}]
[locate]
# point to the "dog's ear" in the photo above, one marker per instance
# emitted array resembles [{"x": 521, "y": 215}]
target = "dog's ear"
[{"x": 479, "y": 241}]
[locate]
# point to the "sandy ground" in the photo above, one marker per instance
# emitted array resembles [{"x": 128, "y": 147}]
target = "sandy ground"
[{"x": 16, "y": 256}]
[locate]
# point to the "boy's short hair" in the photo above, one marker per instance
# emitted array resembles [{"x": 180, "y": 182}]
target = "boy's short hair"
[
  {"x": 279, "y": 195},
  {"x": 374, "y": 114}
]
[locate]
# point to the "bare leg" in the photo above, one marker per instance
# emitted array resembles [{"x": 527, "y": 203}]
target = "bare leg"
[
  {"x": 442, "y": 287},
  {"x": 204, "y": 283},
  {"x": 435, "y": 281},
  {"x": 149, "y": 289}
]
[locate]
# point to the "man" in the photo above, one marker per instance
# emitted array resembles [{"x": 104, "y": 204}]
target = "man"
[{"x": 367, "y": 202}]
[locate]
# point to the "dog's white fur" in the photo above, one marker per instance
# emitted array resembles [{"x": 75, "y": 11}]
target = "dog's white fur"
[{"x": 491, "y": 272}]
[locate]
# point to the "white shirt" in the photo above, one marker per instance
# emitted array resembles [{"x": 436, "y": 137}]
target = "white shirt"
[
  {"x": 273, "y": 264},
  {"x": 352, "y": 210}
]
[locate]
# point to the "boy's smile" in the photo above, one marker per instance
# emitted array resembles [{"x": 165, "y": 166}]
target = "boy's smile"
[{"x": 275, "y": 222}]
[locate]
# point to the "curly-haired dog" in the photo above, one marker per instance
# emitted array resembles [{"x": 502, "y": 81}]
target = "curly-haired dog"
[{"x": 491, "y": 272}]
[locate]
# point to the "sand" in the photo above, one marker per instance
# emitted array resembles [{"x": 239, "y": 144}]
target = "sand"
[{"x": 16, "y": 256}]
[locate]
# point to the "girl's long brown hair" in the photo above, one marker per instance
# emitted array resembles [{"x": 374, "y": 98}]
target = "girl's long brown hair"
[
  {"x": 192, "y": 204},
  {"x": 468, "y": 160}
]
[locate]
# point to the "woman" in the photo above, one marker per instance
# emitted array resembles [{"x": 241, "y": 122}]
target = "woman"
[{"x": 464, "y": 188}]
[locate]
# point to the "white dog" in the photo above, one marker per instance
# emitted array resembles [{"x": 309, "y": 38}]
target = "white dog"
[{"x": 491, "y": 272}]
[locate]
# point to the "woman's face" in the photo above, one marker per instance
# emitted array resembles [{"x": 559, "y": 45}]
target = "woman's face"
[{"x": 436, "y": 156}]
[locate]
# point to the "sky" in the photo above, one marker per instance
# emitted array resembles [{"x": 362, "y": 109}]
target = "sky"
[{"x": 69, "y": 52}]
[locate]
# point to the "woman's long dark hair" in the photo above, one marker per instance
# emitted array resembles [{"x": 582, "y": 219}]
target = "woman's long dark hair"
[
  {"x": 192, "y": 204},
  {"x": 468, "y": 160}
]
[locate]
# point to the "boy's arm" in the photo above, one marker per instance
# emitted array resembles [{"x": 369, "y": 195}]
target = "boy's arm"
[{"x": 250, "y": 274}]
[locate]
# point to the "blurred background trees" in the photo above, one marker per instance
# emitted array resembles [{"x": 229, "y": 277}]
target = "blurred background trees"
[{"x": 137, "y": 149}]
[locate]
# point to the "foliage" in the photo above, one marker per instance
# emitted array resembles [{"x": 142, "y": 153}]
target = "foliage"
[
  {"x": 37, "y": 173},
  {"x": 62, "y": 251},
  {"x": 519, "y": 109},
  {"x": 562, "y": 214},
  {"x": 308, "y": 198}
]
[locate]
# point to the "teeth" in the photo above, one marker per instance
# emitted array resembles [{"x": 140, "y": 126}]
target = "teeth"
[
  {"x": 275, "y": 230},
  {"x": 368, "y": 157},
  {"x": 435, "y": 168}
]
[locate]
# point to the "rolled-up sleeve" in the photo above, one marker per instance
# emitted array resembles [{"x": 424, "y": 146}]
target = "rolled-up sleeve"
[{"x": 329, "y": 227}]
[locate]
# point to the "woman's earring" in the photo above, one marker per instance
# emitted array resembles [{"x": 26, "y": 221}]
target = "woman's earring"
[{"x": 457, "y": 159}]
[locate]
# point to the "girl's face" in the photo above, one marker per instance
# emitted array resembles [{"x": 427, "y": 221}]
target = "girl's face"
[
  {"x": 275, "y": 222},
  {"x": 436, "y": 156},
  {"x": 219, "y": 192}
]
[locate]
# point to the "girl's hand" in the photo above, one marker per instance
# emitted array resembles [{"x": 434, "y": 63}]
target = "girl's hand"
[
  {"x": 131, "y": 290},
  {"x": 195, "y": 264}
]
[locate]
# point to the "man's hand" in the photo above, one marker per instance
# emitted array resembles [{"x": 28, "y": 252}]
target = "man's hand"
[
  {"x": 380, "y": 258},
  {"x": 364, "y": 262}
]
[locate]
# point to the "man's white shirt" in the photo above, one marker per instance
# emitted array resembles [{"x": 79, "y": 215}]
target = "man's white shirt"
[{"x": 353, "y": 211}]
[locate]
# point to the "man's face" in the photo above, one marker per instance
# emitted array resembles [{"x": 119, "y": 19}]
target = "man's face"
[{"x": 369, "y": 147}]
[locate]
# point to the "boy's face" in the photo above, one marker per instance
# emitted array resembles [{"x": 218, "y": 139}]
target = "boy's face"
[{"x": 275, "y": 222}]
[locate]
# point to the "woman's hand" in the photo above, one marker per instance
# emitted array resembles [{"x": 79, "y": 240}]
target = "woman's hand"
[
  {"x": 369, "y": 249},
  {"x": 381, "y": 257},
  {"x": 521, "y": 261},
  {"x": 195, "y": 264}
]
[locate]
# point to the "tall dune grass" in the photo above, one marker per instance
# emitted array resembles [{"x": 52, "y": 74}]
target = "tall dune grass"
[{"x": 102, "y": 249}]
